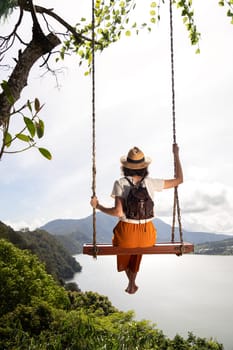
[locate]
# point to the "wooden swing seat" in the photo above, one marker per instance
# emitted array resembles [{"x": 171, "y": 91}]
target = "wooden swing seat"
[{"x": 177, "y": 248}]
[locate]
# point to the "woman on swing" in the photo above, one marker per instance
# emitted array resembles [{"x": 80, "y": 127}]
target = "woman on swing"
[{"x": 134, "y": 233}]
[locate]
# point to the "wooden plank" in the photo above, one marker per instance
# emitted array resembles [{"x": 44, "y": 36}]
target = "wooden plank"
[{"x": 177, "y": 248}]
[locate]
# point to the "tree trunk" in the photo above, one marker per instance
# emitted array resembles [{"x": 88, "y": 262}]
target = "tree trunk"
[{"x": 39, "y": 46}]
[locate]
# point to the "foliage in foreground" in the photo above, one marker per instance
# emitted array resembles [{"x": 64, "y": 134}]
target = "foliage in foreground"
[
  {"x": 36, "y": 313},
  {"x": 58, "y": 261}
]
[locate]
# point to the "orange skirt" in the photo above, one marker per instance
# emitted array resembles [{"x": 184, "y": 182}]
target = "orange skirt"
[{"x": 127, "y": 235}]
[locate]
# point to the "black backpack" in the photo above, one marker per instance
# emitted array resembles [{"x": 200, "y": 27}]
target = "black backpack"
[{"x": 138, "y": 204}]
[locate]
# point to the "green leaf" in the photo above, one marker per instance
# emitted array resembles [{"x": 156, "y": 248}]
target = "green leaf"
[
  {"x": 62, "y": 53},
  {"x": 40, "y": 129},
  {"x": 45, "y": 153},
  {"x": 30, "y": 126},
  {"x": 7, "y": 92},
  {"x": 23, "y": 137},
  {"x": 7, "y": 139},
  {"x": 29, "y": 105},
  {"x": 37, "y": 104}
]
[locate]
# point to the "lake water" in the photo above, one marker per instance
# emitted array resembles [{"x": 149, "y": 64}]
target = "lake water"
[{"x": 179, "y": 294}]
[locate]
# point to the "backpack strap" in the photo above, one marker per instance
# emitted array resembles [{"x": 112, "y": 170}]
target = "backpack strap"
[
  {"x": 132, "y": 184},
  {"x": 129, "y": 181}
]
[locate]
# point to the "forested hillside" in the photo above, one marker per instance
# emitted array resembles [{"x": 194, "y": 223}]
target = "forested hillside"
[
  {"x": 58, "y": 261},
  {"x": 224, "y": 247},
  {"x": 36, "y": 313}
]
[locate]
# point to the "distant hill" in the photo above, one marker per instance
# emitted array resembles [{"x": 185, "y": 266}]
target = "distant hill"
[
  {"x": 75, "y": 232},
  {"x": 82, "y": 228},
  {"x": 224, "y": 247},
  {"x": 49, "y": 250}
]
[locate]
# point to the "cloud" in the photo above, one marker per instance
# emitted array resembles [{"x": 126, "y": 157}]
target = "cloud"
[
  {"x": 203, "y": 197},
  {"x": 204, "y": 207}
]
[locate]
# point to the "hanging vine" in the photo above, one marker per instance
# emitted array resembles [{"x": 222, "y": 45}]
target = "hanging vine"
[
  {"x": 229, "y": 5},
  {"x": 114, "y": 19}
]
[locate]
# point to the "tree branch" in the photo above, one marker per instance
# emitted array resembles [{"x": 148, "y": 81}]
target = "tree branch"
[
  {"x": 39, "y": 46},
  {"x": 79, "y": 37},
  {"x": 18, "y": 79}
]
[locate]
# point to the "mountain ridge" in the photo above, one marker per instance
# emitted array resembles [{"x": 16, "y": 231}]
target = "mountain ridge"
[{"x": 81, "y": 230}]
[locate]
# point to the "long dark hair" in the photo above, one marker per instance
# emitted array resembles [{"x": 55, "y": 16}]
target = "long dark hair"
[{"x": 132, "y": 172}]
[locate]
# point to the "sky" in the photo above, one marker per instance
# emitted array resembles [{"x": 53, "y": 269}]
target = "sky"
[{"x": 133, "y": 108}]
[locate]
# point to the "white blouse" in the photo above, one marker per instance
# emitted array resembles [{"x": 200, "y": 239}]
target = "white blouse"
[{"x": 121, "y": 187}]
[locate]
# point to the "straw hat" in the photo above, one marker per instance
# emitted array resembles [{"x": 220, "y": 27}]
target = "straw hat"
[{"x": 135, "y": 159}]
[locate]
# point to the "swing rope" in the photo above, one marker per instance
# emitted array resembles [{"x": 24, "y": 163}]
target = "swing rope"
[
  {"x": 93, "y": 129},
  {"x": 176, "y": 205}
]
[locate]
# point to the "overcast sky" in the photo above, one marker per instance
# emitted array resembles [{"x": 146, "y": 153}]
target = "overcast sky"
[{"x": 133, "y": 108}]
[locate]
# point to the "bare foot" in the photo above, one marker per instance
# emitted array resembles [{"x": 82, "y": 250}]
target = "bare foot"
[{"x": 131, "y": 289}]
